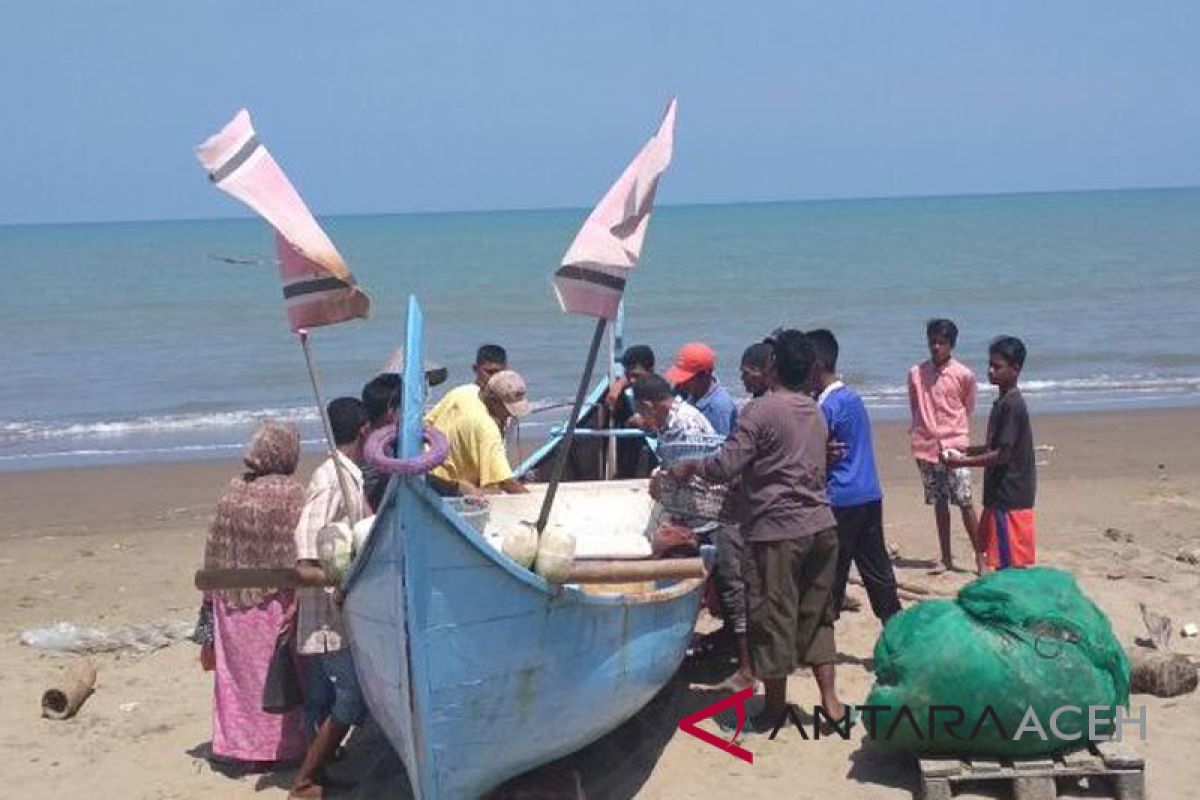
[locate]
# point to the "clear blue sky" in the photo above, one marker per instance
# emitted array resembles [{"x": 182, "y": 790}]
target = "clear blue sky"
[{"x": 405, "y": 106}]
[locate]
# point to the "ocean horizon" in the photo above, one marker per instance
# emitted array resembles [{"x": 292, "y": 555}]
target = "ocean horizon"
[
  {"x": 584, "y": 209},
  {"x": 139, "y": 341}
]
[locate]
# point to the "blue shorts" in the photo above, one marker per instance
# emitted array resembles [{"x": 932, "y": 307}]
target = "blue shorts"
[{"x": 331, "y": 689}]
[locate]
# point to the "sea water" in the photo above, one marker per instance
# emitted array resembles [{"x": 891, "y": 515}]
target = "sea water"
[{"x": 149, "y": 340}]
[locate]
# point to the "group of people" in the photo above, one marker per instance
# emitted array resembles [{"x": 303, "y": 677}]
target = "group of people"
[
  {"x": 803, "y": 500},
  {"x": 267, "y": 520},
  {"x": 799, "y": 502}
]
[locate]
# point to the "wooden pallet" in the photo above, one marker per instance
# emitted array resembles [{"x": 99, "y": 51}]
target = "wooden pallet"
[{"x": 1037, "y": 778}]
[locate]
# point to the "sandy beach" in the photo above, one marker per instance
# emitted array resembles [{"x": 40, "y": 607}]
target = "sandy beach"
[{"x": 1119, "y": 497}]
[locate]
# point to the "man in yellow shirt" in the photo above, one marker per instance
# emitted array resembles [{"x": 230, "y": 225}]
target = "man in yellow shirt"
[
  {"x": 474, "y": 424},
  {"x": 489, "y": 359}
]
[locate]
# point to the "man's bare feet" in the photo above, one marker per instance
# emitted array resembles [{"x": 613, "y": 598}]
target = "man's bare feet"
[
  {"x": 736, "y": 682},
  {"x": 839, "y": 716},
  {"x": 834, "y": 709}
]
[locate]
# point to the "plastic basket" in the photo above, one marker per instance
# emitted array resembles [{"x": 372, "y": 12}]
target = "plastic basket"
[
  {"x": 692, "y": 448},
  {"x": 696, "y": 499}
]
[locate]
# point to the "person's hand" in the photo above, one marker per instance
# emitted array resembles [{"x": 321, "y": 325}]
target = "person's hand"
[
  {"x": 636, "y": 421},
  {"x": 835, "y": 451},
  {"x": 287, "y": 624},
  {"x": 951, "y": 458},
  {"x": 614, "y": 391}
]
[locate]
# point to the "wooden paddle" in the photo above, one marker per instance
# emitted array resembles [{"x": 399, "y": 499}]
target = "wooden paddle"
[{"x": 607, "y": 571}]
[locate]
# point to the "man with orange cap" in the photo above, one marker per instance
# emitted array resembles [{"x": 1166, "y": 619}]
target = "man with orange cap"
[{"x": 693, "y": 374}]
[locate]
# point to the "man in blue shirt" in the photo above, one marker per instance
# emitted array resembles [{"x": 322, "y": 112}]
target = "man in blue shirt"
[
  {"x": 853, "y": 485},
  {"x": 692, "y": 374}
]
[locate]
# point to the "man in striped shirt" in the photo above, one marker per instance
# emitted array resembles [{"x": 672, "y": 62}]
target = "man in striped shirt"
[{"x": 333, "y": 701}]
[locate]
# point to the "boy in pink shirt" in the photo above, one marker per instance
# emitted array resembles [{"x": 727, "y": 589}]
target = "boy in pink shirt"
[{"x": 941, "y": 395}]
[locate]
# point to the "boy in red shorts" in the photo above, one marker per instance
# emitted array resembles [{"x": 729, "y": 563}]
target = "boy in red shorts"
[{"x": 1007, "y": 525}]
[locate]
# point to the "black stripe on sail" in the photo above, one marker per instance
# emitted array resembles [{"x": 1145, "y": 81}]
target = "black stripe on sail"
[
  {"x": 578, "y": 273},
  {"x": 236, "y": 160},
  {"x": 312, "y": 287}
]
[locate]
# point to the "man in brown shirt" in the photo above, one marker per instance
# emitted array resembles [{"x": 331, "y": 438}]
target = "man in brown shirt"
[{"x": 778, "y": 450}]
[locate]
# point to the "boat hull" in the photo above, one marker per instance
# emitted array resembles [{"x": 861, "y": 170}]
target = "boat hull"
[{"x": 478, "y": 670}]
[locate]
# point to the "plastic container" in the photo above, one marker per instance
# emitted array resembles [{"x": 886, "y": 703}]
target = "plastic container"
[
  {"x": 521, "y": 545},
  {"x": 361, "y": 533},
  {"x": 555, "y": 555},
  {"x": 335, "y": 549},
  {"x": 474, "y": 512}
]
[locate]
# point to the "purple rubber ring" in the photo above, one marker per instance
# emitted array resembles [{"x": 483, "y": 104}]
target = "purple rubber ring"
[{"x": 382, "y": 442}]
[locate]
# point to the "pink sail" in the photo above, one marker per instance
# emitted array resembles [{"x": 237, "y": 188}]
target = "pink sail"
[
  {"x": 592, "y": 277},
  {"x": 317, "y": 285}
]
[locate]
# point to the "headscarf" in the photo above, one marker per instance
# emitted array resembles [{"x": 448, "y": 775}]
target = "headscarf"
[
  {"x": 274, "y": 449},
  {"x": 255, "y": 522}
]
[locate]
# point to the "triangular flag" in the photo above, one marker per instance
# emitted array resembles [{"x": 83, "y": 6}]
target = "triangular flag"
[
  {"x": 317, "y": 285},
  {"x": 592, "y": 277}
]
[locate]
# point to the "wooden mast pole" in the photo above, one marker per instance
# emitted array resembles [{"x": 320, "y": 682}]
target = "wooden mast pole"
[
  {"x": 564, "y": 453},
  {"x": 343, "y": 481}
]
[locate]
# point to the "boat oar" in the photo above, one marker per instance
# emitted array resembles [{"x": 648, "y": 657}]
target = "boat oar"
[{"x": 595, "y": 571}]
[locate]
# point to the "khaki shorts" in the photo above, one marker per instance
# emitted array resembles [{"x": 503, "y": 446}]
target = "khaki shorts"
[
  {"x": 789, "y": 587},
  {"x": 945, "y": 485}
]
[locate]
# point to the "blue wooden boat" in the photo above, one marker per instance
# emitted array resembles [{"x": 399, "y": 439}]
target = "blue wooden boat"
[{"x": 478, "y": 670}]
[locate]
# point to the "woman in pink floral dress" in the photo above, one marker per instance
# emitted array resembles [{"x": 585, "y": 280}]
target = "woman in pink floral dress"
[{"x": 253, "y": 528}]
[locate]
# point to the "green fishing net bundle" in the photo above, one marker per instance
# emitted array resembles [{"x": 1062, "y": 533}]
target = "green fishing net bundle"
[{"x": 1012, "y": 640}]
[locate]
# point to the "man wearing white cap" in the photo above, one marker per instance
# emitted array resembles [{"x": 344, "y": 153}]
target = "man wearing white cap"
[{"x": 477, "y": 460}]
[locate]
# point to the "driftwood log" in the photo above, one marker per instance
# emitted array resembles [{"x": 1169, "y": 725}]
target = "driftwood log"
[
  {"x": 607, "y": 571},
  {"x": 67, "y": 693},
  {"x": 1160, "y": 673}
]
